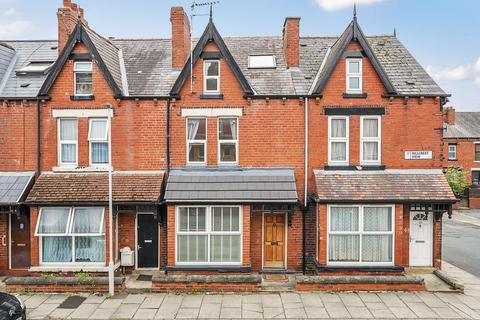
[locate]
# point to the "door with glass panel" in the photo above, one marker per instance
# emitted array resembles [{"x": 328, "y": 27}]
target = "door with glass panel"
[
  {"x": 274, "y": 240},
  {"x": 421, "y": 239},
  {"x": 147, "y": 240},
  {"x": 20, "y": 239}
]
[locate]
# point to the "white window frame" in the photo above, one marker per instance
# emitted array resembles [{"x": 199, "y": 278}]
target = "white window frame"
[
  {"x": 472, "y": 171},
  {"x": 378, "y": 140},
  {"x": 360, "y": 232},
  {"x": 209, "y": 232},
  {"x": 204, "y": 142},
  {"x": 205, "y": 77},
  {"x": 474, "y": 151},
  {"x": 61, "y": 142},
  {"x": 93, "y": 140},
  {"x": 75, "y": 72},
  {"x": 358, "y": 75},
  {"x": 68, "y": 233},
  {"x": 336, "y": 139},
  {"x": 253, "y": 62},
  {"x": 453, "y": 151},
  {"x": 227, "y": 141}
]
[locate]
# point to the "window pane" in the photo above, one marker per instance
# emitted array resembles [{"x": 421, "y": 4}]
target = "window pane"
[
  {"x": 98, "y": 129},
  {"x": 211, "y": 68},
  {"x": 53, "y": 220},
  {"x": 226, "y": 219},
  {"x": 56, "y": 249},
  {"x": 377, "y": 219},
  {"x": 227, "y": 129},
  {"x": 377, "y": 248},
  {"x": 339, "y": 128},
  {"x": 196, "y": 129},
  {"x": 87, "y": 220},
  {"x": 196, "y": 152},
  {"x": 477, "y": 152},
  {"x": 217, "y": 219},
  {"x": 192, "y": 219},
  {"x": 225, "y": 248},
  {"x": 83, "y": 66},
  {"x": 354, "y": 83},
  {"x": 344, "y": 219},
  {"x": 69, "y": 153},
  {"x": 339, "y": 151},
  {"x": 183, "y": 219},
  {"x": 228, "y": 152},
  {"x": 202, "y": 219},
  {"x": 192, "y": 248},
  {"x": 212, "y": 84},
  {"x": 90, "y": 249},
  {"x": 84, "y": 88},
  {"x": 235, "y": 219},
  {"x": 370, "y": 128},
  {"x": 68, "y": 129},
  {"x": 99, "y": 152},
  {"x": 83, "y": 83},
  {"x": 476, "y": 177},
  {"x": 344, "y": 248},
  {"x": 353, "y": 67},
  {"x": 370, "y": 151}
]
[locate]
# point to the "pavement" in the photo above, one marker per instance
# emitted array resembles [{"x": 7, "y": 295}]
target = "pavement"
[{"x": 461, "y": 236}]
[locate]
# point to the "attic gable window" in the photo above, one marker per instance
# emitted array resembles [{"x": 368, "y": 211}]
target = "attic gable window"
[
  {"x": 354, "y": 75},
  {"x": 211, "y": 77},
  {"x": 262, "y": 62},
  {"x": 83, "y": 78},
  {"x": 35, "y": 67}
]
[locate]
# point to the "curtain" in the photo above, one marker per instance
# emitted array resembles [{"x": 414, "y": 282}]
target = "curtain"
[
  {"x": 56, "y": 249},
  {"x": 53, "y": 220},
  {"x": 344, "y": 219},
  {"x": 339, "y": 128},
  {"x": 377, "y": 219},
  {"x": 193, "y": 125},
  {"x": 68, "y": 129},
  {"x": 98, "y": 129},
  {"x": 339, "y": 151},
  {"x": 370, "y": 151},
  {"x": 87, "y": 220},
  {"x": 370, "y": 128},
  {"x": 90, "y": 249},
  {"x": 192, "y": 248},
  {"x": 99, "y": 152},
  {"x": 344, "y": 247},
  {"x": 69, "y": 153},
  {"x": 377, "y": 248},
  {"x": 225, "y": 248}
]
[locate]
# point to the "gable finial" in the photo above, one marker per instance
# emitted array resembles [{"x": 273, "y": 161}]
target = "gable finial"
[
  {"x": 394, "y": 32},
  {"x": 211, "y": 11},
  {"x": 354, "y": 10}
]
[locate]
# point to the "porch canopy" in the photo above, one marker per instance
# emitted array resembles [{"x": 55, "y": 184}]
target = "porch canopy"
[
  {"x": 129, "y": 188},
  {"x": 426, "y": 186},
  {"x": 233, "y": 185},
  {"x": 14, "y": 187}
]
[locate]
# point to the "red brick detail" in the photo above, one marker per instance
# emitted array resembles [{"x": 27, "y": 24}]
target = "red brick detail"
[
  {"x": 360, "y": 287},
  {"x": 34, "y": 241},
  {"x": 246, "y": 236},
  {"x": 437, "y": 243},
  {"x": 474, "y": 203},
  {"x": 449, "y": 115},
  {"x": 256, "y": 241},
  {"x": 4, "y": 248},
  {"x": 209, "y": 287},
  {"x": 57, "y": 288},
  {"x": 291, "y": 41},
  {"x": 180, "y": 36}
]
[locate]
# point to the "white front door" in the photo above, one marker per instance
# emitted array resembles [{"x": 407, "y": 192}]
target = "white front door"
[{"x": 421, "y": 239}]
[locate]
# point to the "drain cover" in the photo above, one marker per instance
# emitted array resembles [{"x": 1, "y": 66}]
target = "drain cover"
[
  {"x": 72, "y": 302},
  {"x": 144, "y": 277}
]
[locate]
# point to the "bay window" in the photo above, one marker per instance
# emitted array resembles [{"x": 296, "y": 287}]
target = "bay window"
[
  {"x": 354, "y": 75},
  {"x": 361, "y": 235},
  {"x": 227, "y": 140},
  {"x": 338, "y": 140},
  {"x": 71, "y": 235},
  {"x": 209, "y": 235},
  {"x": 211, "y": 76},
  {"x": 196, "y": 140},
  {"x": 67, "y": 142},
  {"x": 370, "y": 140},
  {"x": 98, "y": 139}
]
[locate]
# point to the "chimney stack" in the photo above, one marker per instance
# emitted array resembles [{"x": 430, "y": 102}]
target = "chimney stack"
[
  {"x": 449, "y": 115},
  {"x": 68, "y": 16},
  {"x": 291, "y": 41},
  {"x": 180, "y": 37}
]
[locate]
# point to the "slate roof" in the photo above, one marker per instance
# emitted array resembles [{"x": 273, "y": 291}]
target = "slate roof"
[
  {"x": 73, "y": 188},
  {"x": 231, "y": 185},
  {"x": 14, "y": 187},
  {"x": 20, "y": 55},
  {"x": 396, "y": 186},
  {"x": 467, "y": 125}
]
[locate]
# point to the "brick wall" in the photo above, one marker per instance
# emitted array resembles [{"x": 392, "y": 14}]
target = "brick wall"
[{"x": 4, "y": 248}]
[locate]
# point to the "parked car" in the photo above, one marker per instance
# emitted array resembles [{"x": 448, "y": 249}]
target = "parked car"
[{"x": 12, "y": 307}]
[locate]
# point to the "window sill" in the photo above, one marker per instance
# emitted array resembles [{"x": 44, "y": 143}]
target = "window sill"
[
  {"x": 211, "y": 96},
  {"x": 347, "y": 95},
  {"x": 73, "y": 268},
  {"x": 363, "y": 167},
  {"x": 80, "y": 169},
  {"x": 82, "y": 98},
  {"x": 217, "y": 268}
]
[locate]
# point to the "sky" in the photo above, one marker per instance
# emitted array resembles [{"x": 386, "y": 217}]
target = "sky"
[{"x": 441, "y": 34}]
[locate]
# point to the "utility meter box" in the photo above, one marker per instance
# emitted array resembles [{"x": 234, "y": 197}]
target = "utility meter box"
[{"x": 127, "y": 257}]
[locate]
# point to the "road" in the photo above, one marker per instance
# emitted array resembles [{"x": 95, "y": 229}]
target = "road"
[{"x": 461, "y": 240}]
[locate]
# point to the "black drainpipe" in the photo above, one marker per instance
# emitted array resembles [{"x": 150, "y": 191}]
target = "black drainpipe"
[{"x": 38, "y": 137}]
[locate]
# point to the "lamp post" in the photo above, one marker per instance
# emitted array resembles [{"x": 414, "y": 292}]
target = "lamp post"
[{"x": 111, "y": 287}]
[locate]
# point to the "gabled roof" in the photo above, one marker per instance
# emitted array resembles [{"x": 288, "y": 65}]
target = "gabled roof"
[
  {"x": 352, "y": 33},
  {"x": 211, "y": 34},
  {"x": 467, "y": 125},
  {"x": 105, "y": 53}
]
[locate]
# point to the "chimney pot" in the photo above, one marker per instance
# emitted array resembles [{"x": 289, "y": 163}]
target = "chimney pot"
[
  {"x": 180, "y": 36},
  {"x": 68, "y": 16},
  {"x": 291, "y": 41}
]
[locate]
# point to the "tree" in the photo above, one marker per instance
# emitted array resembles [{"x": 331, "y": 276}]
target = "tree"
[{"x": 457, "y": 179}]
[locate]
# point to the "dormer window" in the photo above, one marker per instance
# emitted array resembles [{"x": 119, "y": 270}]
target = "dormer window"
[
  {"x": 211, "y": 76},
  {"x": 354, "y": 75},
  {"x": 83, "y": 78}
]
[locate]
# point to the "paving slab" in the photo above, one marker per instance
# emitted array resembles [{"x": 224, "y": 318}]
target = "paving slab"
[
  {"x": 463, "y": 309},
  {"x": 391, "y": 299},
  {"x": 273, "y": 313},
  {"x": 421, "y": 310},
  {"x": 248, "y": 314},
  {"x": 125, "y": 311},
  {"x": 187, "y": 313},
  {"x": 336, "y": 310},
  {"x": 43, "y": 310},
  {"x": 101, "y": 314},
  {"x": 446, "y": 313},
  {"x": 351, "y": 300},
  {"x": 271, "y": 300},
  {"x": 56, "y": 298},
  {"x": 431, "y": 299},
  {"x": 230, "y": 313},
  {"x": 232, "y": 301},
  {"x": 110, "y": 304},
  {"x": 145, "y": 314},
  {"x": 134, "y": 298},
  {"x": 252, "y": 307},
  {"x": 168, "y": 309},
  {"x": 212, "y": 298},
  {"x": 295, "y": 313},
  {"x": 60, "y": 313},
  {"x": 95, "y": 299},
  {"x": 252, "y": 298},
  {"x": 382, "y": 313},
  {"x": 209, "y": 310},
  {"x": 290, "y": 297},
  {"x": 316, "y": 313},
  {"x": 360, "y": 312},
  {"x": 409, "y": 297},
  {"x": 192, "y": 301},
  {"x": 369, "y": 297},
  {"x": 152, "y": 302},
  {"x": 35, "y": 300},
  {"x": 403, "y": 312},
  {"x": 329, "y": 297},
  {"x": 84, "y": 311}
]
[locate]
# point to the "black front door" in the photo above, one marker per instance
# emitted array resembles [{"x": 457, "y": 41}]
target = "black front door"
[{"x": 147, "y": 241}]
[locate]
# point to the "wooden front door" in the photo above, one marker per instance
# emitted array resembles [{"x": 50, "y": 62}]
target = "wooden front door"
[
  {"x": 20, "y": 239},
  {"x": 274, "y": 240}
]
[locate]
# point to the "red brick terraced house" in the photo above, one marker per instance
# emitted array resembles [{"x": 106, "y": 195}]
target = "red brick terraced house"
[
  {"x": 462, "y": 148},
  {"x": 252, "y": 155}
]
